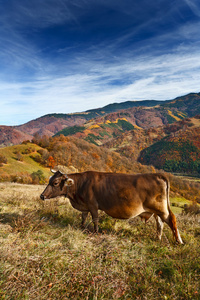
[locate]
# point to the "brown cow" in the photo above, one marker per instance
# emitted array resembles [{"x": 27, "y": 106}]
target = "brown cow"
[{"x": 121, "y": 196}]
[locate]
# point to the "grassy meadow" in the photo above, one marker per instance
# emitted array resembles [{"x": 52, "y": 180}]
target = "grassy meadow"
[{"x": 44, "y": 254}]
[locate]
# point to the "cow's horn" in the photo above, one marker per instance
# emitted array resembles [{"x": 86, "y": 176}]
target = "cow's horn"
[
  {"x": 62, "y": 172},
  {"x": 53, "y": 171}
]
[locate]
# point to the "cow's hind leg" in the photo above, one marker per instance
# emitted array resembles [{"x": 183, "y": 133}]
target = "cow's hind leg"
[
  {"x": 159, "y": 223},
  {"x": 160, "y": 226}
]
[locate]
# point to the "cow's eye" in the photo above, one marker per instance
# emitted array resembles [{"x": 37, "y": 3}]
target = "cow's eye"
[{"x": 56, "y": 183}]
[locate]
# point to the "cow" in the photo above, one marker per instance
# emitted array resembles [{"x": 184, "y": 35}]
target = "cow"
[{"x": 121, "y": 196}]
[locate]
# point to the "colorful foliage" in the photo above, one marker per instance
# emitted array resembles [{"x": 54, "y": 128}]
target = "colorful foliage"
[{"x": 180, "y": 156}]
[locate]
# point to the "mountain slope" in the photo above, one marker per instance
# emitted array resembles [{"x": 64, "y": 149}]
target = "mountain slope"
[
  {"x": 52, "y": 123},
  {"x": 189, "y": 104},
  {"x": 144, "y": 114},
  {"x": 10, "y": 135},
  {"x": 101, "y": 130}
]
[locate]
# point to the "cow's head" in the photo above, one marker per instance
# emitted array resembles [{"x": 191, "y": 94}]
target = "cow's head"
[{"x": 57, "y": 186}]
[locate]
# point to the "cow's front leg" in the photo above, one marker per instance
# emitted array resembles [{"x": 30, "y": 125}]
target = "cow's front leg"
[
  {"x": 95, "y": 222},
  {"x": 84, "y": 217},
  {"x": 95, "y": 219}
]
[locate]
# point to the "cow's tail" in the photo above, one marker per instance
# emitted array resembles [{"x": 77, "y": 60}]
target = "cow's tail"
[{"x": 172, "y": 219}]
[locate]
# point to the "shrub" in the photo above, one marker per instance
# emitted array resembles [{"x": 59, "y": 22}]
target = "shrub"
[
  {"x": 37, "y": 158},
  {"x": 192, "y": 209},
  {"x": 19, "y": 156},
  {"x": 3, "y": 159},
  {"x": 38, "y": 177},
  {"x": 19, "y": 178},
  {"x": 28, "y": 150}
]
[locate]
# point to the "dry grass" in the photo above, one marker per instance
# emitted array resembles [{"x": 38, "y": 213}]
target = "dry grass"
[{"x": 45, "y": 255}]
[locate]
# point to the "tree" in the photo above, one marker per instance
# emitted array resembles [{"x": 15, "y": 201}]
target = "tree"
[{"x": 51, "y": 162}]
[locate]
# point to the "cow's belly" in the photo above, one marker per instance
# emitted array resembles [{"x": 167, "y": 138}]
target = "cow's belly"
[
  {"x": 124, "y": 212},
  {"x": 123, "y": 204}
]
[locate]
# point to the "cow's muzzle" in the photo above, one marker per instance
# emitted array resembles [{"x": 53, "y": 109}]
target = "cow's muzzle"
[{"x": 42, "y": 197}]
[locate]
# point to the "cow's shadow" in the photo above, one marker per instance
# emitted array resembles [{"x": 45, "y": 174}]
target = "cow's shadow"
[
  {"x": 18, "y": 222},
  {"x": 8, "y": 221},
  {"x": 8, "y": 218}
]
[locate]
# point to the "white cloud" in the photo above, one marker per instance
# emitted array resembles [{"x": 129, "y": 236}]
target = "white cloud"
[{"x": 161, "y": 78}]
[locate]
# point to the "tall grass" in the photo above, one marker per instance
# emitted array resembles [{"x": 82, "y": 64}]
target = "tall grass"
[{"x": 45, "y": 255}]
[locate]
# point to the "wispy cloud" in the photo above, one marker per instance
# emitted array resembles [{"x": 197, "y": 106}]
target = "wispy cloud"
[
  {"x": 40, "y": 13},
  {"x": 166, "y": 77},
  {"x": 194, "y": 6}
]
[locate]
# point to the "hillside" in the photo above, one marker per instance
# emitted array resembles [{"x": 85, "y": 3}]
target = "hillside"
[
  {"x": 71, "y": 151},
  {"x": 131, "y": 143},
  {"x": 160, "y": 112},
  {"x": 178, "y": 151},
  {"x": 31, "y": 162},
  {"x": 17, "y": 164}
]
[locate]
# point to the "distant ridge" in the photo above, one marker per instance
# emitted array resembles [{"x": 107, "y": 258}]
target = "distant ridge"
[
  {"x": 127, "y": 104},
  {"x": 113, "y": 107}
]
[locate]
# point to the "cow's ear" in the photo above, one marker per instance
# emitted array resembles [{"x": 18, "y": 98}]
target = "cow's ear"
[{"x": 69, "y": 182}]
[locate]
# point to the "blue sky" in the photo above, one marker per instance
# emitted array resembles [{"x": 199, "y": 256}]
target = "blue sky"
[{"x": 63, "y": 56}]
